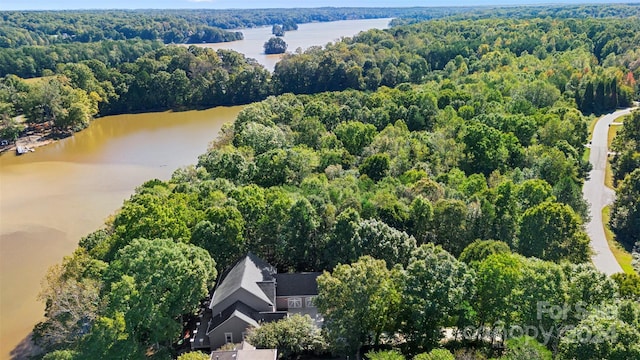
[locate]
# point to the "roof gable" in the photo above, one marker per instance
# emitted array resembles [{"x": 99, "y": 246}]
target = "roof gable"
[{"x": 249, "y": 274}]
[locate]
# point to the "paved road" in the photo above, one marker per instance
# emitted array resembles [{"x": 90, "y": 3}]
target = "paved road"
[{"x": 598, "y": 195}]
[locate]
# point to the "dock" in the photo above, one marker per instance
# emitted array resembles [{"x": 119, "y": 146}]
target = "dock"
[{"x": 22, "y": 149}]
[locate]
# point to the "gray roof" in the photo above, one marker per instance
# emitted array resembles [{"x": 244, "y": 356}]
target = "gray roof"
[
  {"x": 245, "y": 274},
  {"x": 297, "y": 284},
  {"x": 237, "y": 308},
  {"x": 261, "y": 354}
]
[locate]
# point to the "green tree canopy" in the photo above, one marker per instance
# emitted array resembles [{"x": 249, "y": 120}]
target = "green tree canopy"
[
  {"x": 221, "y": 234},
  {"x": 625, "y": 213},
  {"x": 481, "y": 249},
  {"x": 436, "y": 288},
  {"x": 154, "y": 282},
  {"x": 553, "y": 231},
  {"x": 355, "y": 136},
  {"x": 359, "y": 302},
  {"x": 275, "y": 45},
  {"x": 292, "y": 336}
]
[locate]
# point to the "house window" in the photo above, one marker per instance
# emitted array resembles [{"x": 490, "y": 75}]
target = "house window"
[
  {"x": 308, "y": 302},
  {"x": 228, "y": 338},
  {"x": 295, "y": 303}
]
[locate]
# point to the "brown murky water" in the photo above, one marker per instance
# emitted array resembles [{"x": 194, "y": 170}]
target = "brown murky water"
[{"x": 51, "y": 198}]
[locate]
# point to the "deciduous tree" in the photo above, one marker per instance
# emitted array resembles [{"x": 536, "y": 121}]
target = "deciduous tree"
[
  {"x": 292, "y": 336},
  {"x": 625, "y": 213},
  {"x": 275, "y": 45},
  {"x": 154, "y": 282},
  {"x": 436, "y": 288},
  {"x": 359, "y": 302},
  {"x": 553, "y": 231}
]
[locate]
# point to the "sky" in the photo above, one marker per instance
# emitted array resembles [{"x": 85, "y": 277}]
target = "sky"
[{"x": 253, "y": 4}]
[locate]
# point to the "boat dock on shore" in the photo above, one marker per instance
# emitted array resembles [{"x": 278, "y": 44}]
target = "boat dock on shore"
[{"x": 23, "y": 149}]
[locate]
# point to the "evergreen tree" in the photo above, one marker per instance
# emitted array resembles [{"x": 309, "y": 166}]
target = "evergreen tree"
[
  {"x": 586, "y": 105},
  {"x": 599, "y": 101},
  {"x": 613, "y": 95}
]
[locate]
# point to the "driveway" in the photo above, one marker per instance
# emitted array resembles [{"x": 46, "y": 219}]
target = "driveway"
[{"x": 598, "y": 195}]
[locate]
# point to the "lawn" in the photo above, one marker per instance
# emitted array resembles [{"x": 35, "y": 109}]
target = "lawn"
[
  {"x": 592, "y": 125},
  {"x": 622, "y": 256},
  {"x": 613, "y": 130},
  {"x": 36, "y": 80}
]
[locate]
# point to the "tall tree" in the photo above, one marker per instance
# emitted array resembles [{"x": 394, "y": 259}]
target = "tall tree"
[
  {"x": 359, "y": 303},
  {"x": 587, "y": 103},
  {"x": 436, "y": 288},
  {"x": 355, "y": 136},
  {"x": 450, "y": 225},
  {"x": 221, "y": 234},
  {"x": 377, "y": 239},
  {"x": 600, "y": 101},
  {"x": 496, "y": 281},
  {"x": 153, "y": 283},
  {"x": 625, "y": 213},
  {"x": 553, "y": 231},
  {"x": 302, "y": 246}
]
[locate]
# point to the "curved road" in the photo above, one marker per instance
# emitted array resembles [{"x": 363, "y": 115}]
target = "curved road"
[{"x": 598, "y": 195}]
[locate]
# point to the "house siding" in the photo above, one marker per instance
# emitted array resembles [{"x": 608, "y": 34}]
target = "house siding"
[
  {"x": 234, "y": 325},
  {"x": 282, "y": 302}
]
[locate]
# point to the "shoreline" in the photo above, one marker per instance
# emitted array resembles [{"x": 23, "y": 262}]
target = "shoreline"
[{"x": 33, "y": 140}]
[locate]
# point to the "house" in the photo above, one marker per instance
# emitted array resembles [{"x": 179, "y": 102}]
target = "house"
[
  {"x": 249, "y": 293},
  {"x": 295, "y": 293}
]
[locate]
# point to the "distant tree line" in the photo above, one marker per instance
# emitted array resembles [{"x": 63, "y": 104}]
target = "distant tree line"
[
  {"x": 165, "y": 78},
  {"x": 564, "y": 11},
  {"x": 444, "y": 48},
  {"x": 34, "y": 60},
  {"x": 20, "y": 28},
  {"x": 592, "y": 62},
  {"x": 61, "y": 27}
]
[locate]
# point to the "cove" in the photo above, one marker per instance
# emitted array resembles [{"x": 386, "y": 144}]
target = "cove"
[{"x": 51, "y": 198}]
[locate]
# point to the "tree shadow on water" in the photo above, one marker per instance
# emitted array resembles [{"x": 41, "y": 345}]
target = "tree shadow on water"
[{"x": 26, "y": 349}]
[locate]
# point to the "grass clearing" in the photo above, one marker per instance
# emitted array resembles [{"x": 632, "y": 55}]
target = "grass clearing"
[
  {"x": 623, "y": 257},
  {"x": 36, "y": 80},
  {"x": 586, "y": 155},
  {"x": 592, "y": 125}
]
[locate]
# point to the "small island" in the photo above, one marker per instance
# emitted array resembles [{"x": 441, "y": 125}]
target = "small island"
[
  {"x": 275, "y": 45},
  {"x": 279, "y": 30}
]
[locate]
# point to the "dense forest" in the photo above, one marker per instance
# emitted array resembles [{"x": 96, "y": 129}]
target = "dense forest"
[
  {"x": 592, "y": 61},
  {"x": 444, "y": 152},
  {"x": 559, "y": 11},
  {"x": 20, "y": 28}
]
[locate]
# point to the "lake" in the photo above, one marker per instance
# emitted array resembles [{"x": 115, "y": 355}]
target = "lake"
[
  {"x": 51, "y": 198},
  {"x": 307, "y": 35}
]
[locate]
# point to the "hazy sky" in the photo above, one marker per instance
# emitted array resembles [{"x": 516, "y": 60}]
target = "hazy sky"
[{"x": 252, "y": 4}]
